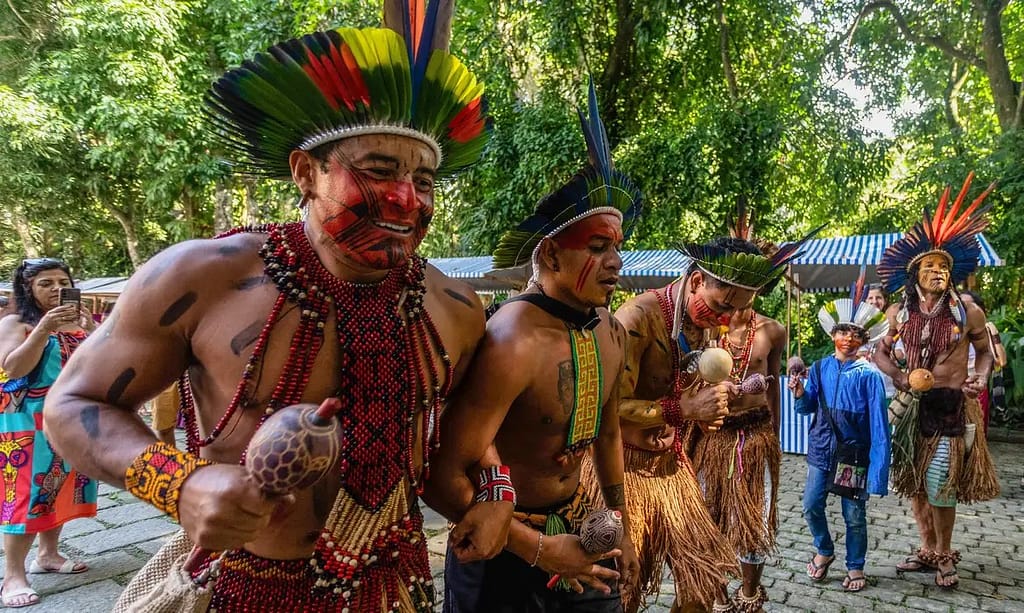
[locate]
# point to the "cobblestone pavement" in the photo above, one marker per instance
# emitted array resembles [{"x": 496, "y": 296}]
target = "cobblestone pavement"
[{"x": 125, "y": 533}]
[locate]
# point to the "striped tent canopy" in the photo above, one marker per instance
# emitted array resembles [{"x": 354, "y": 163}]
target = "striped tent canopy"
[
  {"x": 640, "y": 270},
  {"x": 832, "y": 264}
]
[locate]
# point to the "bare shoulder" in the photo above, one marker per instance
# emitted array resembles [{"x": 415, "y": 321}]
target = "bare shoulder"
[
  {"x": 11, "y": 324},
  {"x": 458, "y": 304},
  {"x": 639, "y": 312},
  {"x": 192, "y": 273},
  {"x": 976, "y": 320},
  {"x": 771, "y": 327}
]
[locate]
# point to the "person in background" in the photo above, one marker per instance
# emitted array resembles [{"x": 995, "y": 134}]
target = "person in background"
[
  {"x": 42, "y": 492},
  {"x": 998, "y": 356},
  {"x": 877, "y": 297},
  {"x": 846, "y": 397}
]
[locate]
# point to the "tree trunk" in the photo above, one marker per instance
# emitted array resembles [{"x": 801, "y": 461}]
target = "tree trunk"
[
  {"x": 252, "y": 207},
  {"x": 188, "y": 207},
  {"x": 952, "y": 103},
  {"x": 618, "y": 71},
  {"x": 24, "y": 230},
  {"x": 131, "y": 237},
  {"x": 222, "y": 207},
  {"x": 997, "y": 68},
  {"x": 723, "y": 42}
]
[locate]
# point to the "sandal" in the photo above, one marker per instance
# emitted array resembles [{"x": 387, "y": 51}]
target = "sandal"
[
  {"x": 7, "y": 598},
  {"x": 950, "y": 557},
  {"x": 850, "y": 583},
  {"x": 818, "y": 573},
  {"x": 921, "y": 561},
  {"x": 69, "y": 567}
]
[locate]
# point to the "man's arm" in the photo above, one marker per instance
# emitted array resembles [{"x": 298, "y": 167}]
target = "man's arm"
[
  {"x": 91, "y": 417},
  {"x": 978, "y": 336},
  {"x": 499, "y": 372},
  {"x": 774, "y": 367},
  {"x": 633, "y": 320}
]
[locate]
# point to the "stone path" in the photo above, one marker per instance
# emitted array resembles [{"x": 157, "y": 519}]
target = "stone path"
[{"x": 126, "y": 533}]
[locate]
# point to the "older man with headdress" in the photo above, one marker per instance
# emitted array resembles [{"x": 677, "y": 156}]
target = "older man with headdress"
[
  {"x": 940, "y": 456},
  {"x": 336, "y": 306}
]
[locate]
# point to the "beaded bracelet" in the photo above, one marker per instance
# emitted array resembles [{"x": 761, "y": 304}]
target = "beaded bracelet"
[
  {"x": 540, "y": 548},
  {"x": 671, "y": 411},
  {"x": 157, "y": 474},
  {"x": 495, "y": 485}
]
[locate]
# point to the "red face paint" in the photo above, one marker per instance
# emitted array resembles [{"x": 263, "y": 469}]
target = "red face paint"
[
  {"x": 700, "y": 313},
  {"x": 375, "y": 223},
  {"x": 584, "y": 273},
  {"x": 579, "y": 234}
]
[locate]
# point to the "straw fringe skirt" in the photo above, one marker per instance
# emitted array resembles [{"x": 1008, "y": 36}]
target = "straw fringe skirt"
[
  {"x": 669, "y": 524},
  {"x": 732, "y": 465},
  {"x": 972, "y": 476}
]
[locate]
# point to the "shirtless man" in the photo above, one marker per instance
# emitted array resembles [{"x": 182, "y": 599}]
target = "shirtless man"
[
  {"x": 741, "y": 484},
  {"x": 542, "y": 387},
  {"x": 936, "y": 328},
  {"x": 399, "y": 336}
]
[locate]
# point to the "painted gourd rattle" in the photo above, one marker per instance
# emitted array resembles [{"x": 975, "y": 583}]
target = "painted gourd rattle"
[
  {"x": 600, "y": 533},
  {"x": 293, "y": 449}
]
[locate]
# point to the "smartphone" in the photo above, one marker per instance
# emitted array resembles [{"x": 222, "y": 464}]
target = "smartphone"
[{"x": 71, "y": 295}]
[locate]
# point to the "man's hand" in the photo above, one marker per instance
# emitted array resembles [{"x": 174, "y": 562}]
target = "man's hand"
[
  {"x": 483, "y": 531},
  {"x": 563, "y": 555},
  {"x": 972, "y": 386},
  {"x": 796, "y": 385},
  {"x": 709, "y": 405},
  {"x": 221, "y": 508},
  {"x": 629, "y": 567},
  {"x": 902, "y": 382}
]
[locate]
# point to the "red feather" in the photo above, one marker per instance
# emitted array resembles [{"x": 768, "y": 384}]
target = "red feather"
[
  {"x": 417, "y": 13},
  {"x": 950, "y": 219},
  {"x": 966, "y": 219},
  {"x": 469, "y": 122}
]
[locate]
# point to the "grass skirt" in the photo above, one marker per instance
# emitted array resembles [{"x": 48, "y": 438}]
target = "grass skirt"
[
  {"x": 668, "y": 523},
  {"x": 972, "y": 476},
  {"x": 732, "y": 463}
]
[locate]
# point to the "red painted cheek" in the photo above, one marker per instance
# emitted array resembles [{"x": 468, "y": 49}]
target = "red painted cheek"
[
  {"x": 700, "y": 311},
  {"x": 588, "y": 267}
]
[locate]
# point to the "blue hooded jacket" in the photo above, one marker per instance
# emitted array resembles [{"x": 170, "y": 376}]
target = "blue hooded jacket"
[{"x": 859, "y": 410}]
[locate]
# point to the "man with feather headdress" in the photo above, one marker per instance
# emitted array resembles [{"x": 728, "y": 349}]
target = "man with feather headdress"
[
  {"x": 664, "y": 397},
  {"x": 940, "y": 456},
  {"x": 543, "y": 388},
  {"x": 338, "y": 306}
]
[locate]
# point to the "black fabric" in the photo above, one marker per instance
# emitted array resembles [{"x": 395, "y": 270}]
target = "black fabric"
[
  {"x": 507, "y": 584},
  {"x": 942, "y": 412},
  {"x": 556, "y": 308}
]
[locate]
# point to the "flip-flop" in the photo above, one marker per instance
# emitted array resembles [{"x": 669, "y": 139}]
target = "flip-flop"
[
  {"x": 813, "y": 569},
  {"x": 946, "y": 575},
  {"x": 8, "y": 598},
  {"x": 69, "y": 567},
  {"x": 848, "y": 581}
]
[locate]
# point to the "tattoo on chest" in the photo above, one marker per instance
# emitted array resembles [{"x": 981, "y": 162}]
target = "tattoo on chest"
[
  {"x": 246, "y": 337},
  {"x": 119, "y": 385},
  {"x": 566, "y": 386},
  {"x": 178, "y": 308}
]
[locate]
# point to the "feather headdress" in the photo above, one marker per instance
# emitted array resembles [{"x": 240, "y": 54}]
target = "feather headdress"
[
  {"x": 855, "y": 311},
  {"x": 946, "y": 233},
  {"x": 746, "y": 270},
  {"x": 331, "y": 85},
  {"x": 596, "y": 189}
]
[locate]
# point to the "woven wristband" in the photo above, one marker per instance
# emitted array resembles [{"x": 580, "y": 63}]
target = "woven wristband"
[
  {"x": 671, "y": 412},
  {"x": 157, "y": 474},
  {"x": 495, "y": 485}
]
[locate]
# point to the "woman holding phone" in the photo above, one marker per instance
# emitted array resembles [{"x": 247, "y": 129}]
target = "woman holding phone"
[{"x": 40, "y": 491}]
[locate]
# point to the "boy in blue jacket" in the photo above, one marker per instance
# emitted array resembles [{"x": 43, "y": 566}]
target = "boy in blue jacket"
[{"x": 853, "y": 394}]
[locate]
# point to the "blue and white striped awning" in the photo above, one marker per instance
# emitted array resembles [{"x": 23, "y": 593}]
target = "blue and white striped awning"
[{"x": 832, "y": 264}]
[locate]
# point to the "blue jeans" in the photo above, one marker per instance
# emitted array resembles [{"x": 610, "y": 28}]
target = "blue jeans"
[{"x": 815, "y": 496}]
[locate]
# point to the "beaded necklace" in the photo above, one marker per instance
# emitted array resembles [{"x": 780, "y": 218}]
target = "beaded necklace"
[
  {"x": 388, "y": 376},
  {"x": 741, "y": 362}
]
